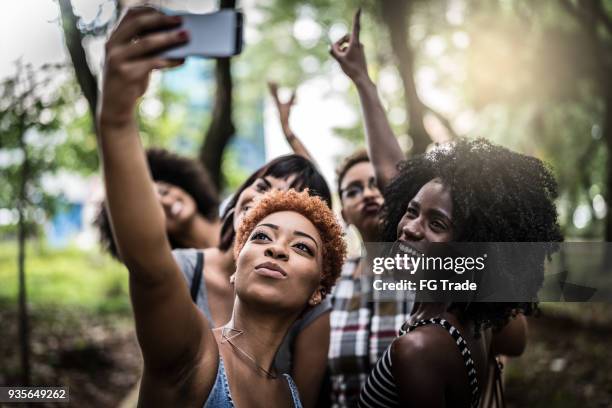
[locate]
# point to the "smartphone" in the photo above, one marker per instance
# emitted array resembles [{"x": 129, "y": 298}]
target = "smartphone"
[{"x": 212, "y": 35}]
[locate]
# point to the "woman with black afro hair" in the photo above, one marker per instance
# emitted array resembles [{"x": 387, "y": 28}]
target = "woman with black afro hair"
[
  {"x": 189, "y": 200},
  {"x": 467, "y": 191}
]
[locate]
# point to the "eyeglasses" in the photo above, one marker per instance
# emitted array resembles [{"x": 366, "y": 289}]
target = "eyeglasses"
[{"x": 356, "y": 189}]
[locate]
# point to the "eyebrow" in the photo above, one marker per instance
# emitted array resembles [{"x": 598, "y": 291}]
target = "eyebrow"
[
  {"x": 434, "y": 211},
  {"x": 305, "y": 235},
  {"x": 440, "y": 213},
  {"x": 298, "y": 233},
  {"x": 274, "y": 227}
]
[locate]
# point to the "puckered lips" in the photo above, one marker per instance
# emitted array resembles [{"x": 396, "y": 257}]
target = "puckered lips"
[
  {"x": 370, "y": 209},
  {"x": 271, "y": 270}
]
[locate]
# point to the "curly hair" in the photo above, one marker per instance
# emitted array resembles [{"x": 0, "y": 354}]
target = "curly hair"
[
  {"x": 307, "y": 177},
  {"x": 180, "y": 171},
  {"x": 498, "y": 196},
  {"x": 311, "y": 207},
  {"x": 355, "y": 158}
]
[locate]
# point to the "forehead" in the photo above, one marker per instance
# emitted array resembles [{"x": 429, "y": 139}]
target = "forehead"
[
  {"x": 290, "y": 221},
  {"x": 435, "y": 194},
  {"x": 165, "y": 185},
  {"x": 281, "y": 183},
  {"x": 360, "y": 171}
]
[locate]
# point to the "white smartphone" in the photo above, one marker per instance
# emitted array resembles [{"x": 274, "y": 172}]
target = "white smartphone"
[{"x": 212, "y": 35}]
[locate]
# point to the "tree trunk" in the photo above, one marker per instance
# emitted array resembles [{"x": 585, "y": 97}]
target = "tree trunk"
[
  {"x": 221, "y": 127},
  {"x": 24, "y": 332},
  {"x": 607, "y": 134},
  {"x": 396, "y": 15},
  {"x": 74, "y": 42},
  {"x": 607, "y": 137}
]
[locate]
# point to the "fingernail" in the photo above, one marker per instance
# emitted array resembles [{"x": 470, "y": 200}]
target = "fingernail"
[{"x": 183, "y": 35}]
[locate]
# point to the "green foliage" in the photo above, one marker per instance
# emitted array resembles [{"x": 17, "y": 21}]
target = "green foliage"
[
  {"x": 65, "y": 278},
  {"x": 41, "y": 131}
]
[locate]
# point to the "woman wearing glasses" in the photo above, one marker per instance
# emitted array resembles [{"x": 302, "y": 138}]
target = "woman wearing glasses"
[{"x": 361, "y": 330}]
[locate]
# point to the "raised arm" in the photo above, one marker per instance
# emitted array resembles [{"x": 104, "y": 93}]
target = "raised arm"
[
  {"x": 383, "y": 147},
  {"x": 171, "y": 331},
  {"x": 284, "y": 110}
]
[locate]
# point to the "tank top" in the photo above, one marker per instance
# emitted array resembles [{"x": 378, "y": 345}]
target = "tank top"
[{"x": 380, "y": 389}]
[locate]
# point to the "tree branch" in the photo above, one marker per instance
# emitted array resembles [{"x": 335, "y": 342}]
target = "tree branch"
[
  {"x": 396, "y": 16},
  {"x": 221, "y": 127},
  {"x": 601, "y": 14},
  {"x": 74, "y": 42},
  {"x": 443, "y": 120}
]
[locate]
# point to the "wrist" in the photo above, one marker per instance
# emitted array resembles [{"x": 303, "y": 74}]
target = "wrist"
[
  {"x": 108, "y": 118},
  {"x": 364, "y": 82},
  {"x": 287, "y": 131}
]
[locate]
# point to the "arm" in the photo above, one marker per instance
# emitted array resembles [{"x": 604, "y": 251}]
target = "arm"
[
  {"x": 171, "y": 331},
  {"x": 284, "y": 110},
  {"x": 416, "y": 370},
  {"x": 383, "y": 147},
  {"x": 512, "y": 339},
  {"x": 310, "y": 359}
]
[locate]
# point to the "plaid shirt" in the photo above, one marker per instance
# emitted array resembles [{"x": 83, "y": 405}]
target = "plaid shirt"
[{"x": 361, "y": 331}]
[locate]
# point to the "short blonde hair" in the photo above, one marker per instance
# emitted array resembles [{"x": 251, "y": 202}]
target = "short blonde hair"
[{"x": 317, "y": 212}]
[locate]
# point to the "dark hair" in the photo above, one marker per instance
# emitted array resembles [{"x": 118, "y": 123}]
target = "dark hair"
[
  {"x": 498, "y": 196},
  {"x": 357, "y": 157},
  {"x": 188, "y": 174},
  {"x": 307, "y": 177}
]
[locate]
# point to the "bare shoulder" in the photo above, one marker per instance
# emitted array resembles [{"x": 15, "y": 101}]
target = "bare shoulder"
[{"x": 424, "y": 346}]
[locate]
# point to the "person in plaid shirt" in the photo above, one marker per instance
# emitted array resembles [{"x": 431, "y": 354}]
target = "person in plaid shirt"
[{"x": 361, "y": 330}]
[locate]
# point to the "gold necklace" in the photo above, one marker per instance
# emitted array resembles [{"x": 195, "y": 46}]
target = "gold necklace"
[{"x": 233, "y": 333}]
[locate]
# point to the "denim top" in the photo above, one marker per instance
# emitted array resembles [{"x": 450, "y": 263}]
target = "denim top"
[{"x": 220, "y": 396}]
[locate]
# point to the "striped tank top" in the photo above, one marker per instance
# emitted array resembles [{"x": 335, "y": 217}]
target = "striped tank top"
[{"x": 380, "y": 389}]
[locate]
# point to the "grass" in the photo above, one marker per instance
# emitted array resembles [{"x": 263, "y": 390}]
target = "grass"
[{"x": 69, "y": 278}]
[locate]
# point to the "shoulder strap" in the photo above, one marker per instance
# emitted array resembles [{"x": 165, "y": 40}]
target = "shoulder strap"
[
  {"x": 464, "y": 349},
  {"x": 500, "y": 399},
  {"x": 196, "y": 281}
]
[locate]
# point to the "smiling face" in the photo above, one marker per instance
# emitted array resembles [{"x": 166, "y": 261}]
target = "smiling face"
[
  {"x": 361, "y": 199},
  {"x": 428, "y": 217},
  {"x": 179, "y": 207},
  {"x": 259, "y": 187},
  {"x": 281, "y": 263}
]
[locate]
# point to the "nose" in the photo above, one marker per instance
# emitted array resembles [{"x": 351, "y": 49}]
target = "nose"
[
  {"x": 276, "y": 252},
  {"x": 412, "y": 230},
  {"x": 166, "y": 200},
  {"x": 371, "y": 192}
]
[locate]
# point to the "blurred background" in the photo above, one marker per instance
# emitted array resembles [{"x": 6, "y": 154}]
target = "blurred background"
[{"x": 530, "y": 75}]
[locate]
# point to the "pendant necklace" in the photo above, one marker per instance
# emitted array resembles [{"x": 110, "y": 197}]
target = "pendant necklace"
[{"x": 229, "y": 333}]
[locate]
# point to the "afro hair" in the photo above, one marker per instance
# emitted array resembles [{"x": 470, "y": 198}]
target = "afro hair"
[
  {"x": 498, "y": 196},
  {"x": 188, "y": 174}
]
